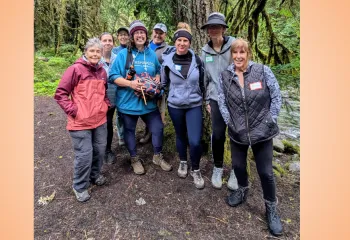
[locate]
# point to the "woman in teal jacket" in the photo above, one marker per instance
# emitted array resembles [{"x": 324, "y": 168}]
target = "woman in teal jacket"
[{"x": 130, "y": 106}]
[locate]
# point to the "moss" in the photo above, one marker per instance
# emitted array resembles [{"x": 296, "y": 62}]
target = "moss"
[
  {"x": 227, "y": 152},
  {"x": 169, "y": 142},
  {"x": 277, "y": 174},
  {"x": 277, "y": 167},
  {"x": 276, "y": 154},
  {"x": 290, "y": 148}
]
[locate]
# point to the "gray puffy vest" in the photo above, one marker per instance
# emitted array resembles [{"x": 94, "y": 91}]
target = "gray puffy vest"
[{"x": 250, "y": 118}]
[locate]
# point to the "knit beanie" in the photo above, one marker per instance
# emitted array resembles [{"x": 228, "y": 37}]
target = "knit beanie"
[
  {"x": 183, "y": 30},
  {"x": 136, "y": 25}
]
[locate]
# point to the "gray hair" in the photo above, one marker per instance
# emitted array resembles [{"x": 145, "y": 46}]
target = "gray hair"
[{"x": 93, "y": 42}]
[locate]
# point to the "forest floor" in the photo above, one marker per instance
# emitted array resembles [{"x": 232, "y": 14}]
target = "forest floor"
[{"x": 173, "y": 209}]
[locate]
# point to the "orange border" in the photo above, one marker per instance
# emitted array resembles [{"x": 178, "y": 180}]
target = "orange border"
[
  {"x": 325, "y": 176},
  {"x": 325, "y": 164},
  {"x": 16, "y": 201}
]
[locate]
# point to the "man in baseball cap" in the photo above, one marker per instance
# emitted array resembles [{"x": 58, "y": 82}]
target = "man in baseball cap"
[{"x": 158, "y": 43}]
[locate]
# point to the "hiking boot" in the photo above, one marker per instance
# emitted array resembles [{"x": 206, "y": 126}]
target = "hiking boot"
[
  {"x": 83, "y": 196},
  {"x": 159, "y": 160},
  {"x": 232, "y": 183},
  {"x": 216, "y": 178},
  {"x": 100, "y": 180},
  {"x": 237, "y": 196},
  {"x": 109, "y": 157},
  {"x": 146, "y": 137},
  {"x": 137, "y": 165},
  {"x": 273, "y": 220},
  {"x": 182, "y": 171},
  {"x": 121, "y": 142},
  {"x": 197, "y": 179}
]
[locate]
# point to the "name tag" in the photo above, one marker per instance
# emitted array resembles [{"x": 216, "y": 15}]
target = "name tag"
[
  {"x": 209, "y": 59},
  {"x": 255, "y": 85},
  {"x": 178, "y": 67}
]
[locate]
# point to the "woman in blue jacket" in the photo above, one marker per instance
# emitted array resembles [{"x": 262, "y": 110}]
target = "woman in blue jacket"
[
  {"x": 130, "y": 106},
  {"x": 181, "y": 72}
]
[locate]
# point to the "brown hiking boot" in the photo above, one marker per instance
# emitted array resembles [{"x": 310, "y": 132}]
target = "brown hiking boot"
[
  {"x": 159, "y": 160},
  {"x": 137, "y": 165}
]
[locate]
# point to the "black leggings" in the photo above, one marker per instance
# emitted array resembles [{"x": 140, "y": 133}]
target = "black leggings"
[
  {"x": 218, "y": 127},
  {"x": 263, "y": 158},
  {"x": 110, "y": 114}
]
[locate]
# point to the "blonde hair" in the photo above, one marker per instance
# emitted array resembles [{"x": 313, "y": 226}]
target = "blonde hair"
[
  {"x": 242, "y": 43},
  {"x": 182, "y": 26},
  {"x": 183, "y": 30}
]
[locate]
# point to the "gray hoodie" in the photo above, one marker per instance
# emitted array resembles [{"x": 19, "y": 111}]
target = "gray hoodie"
[
  {"x": 183, "y": 93},
  {"x": 214, "y": 64}
]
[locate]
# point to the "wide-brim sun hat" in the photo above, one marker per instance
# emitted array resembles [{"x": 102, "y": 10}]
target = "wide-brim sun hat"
[{"x": 215, "y": 18}]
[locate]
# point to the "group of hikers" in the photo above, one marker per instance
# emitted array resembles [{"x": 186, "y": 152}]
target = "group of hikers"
[{"x": 138, "y": 77}]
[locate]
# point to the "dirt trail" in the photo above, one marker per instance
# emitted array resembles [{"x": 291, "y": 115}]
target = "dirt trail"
[{"x": 174, "y": 209}]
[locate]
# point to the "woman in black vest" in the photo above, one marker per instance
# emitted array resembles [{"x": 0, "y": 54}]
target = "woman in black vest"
[{"x": 249, "y": 100}]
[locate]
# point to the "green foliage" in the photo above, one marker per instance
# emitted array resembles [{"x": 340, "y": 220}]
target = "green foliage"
[
  {"x": 45, "y": 88},
  {"x": 288, "y": 75},
  {"x": 48, "y": 67},
  {"x": 290, "y": 148},
  {"x": 279, "y": 169}
]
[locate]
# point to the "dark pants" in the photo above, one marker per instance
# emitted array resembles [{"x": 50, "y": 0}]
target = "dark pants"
[
  {"x": 89, "y": 150},
  {"x": 263, "y": 153},
  {"x": 218, "y": 136},
  {"x": 110, "y": 114},
  {"x": 188, "y": 123},
  {"x": 153, "y": 122}
]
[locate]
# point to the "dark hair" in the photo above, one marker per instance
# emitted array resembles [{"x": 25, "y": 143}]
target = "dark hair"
[
  {"x": 132, "y": 43},
  {"x": 106, "y": 33}
]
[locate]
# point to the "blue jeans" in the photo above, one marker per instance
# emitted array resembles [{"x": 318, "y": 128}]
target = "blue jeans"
[
  {"x": 153, "y": 122},
  {"x": 188, "y": 123}
]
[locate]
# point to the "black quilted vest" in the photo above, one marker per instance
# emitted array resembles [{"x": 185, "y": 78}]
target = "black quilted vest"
[{"x": 250, "y": 118}]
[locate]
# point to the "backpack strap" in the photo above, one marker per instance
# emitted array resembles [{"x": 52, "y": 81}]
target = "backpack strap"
[
  {"x": 129, "y": 59},
  {"x": 201, "y": 73}
]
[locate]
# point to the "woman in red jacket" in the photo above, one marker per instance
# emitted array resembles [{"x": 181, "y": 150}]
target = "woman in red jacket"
[{"x": 81, "y": 93}]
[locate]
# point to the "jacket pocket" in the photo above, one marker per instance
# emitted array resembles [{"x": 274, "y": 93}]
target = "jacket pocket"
[{"x": 178, "y": 95}]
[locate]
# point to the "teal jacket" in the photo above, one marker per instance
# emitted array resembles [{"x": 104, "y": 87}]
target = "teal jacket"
[{"x": 126, "y": 101}]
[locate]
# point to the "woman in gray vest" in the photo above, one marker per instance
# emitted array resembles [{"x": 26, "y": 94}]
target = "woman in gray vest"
[
  {"x": 216, "y": 57},
  {"x": 249, "y": 100}
]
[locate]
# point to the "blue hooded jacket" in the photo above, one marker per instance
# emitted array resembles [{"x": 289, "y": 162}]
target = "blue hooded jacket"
[
  {"x": 126, "y": 101},
  {"x": 183, "y": 93}
]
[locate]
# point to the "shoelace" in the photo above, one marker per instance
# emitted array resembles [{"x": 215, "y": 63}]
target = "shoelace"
[{"x": 272, "y": 212}]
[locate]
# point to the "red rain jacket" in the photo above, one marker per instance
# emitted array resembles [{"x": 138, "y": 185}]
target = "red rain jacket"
[{"x": 88, "y": 103}]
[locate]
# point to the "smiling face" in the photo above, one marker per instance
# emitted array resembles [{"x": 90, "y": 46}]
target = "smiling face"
[
  {"x": 240, "y": 57},
  {"x": 123, "y": 37},
  {"x": 158, "y": 36},
  {"x": 182, "y": 45},
  {"x": 107, "y": 42},
  {"x": 93, "y": 54},
  {"x": 139, "y": 37},
  {"x": 216, "y": 31}
]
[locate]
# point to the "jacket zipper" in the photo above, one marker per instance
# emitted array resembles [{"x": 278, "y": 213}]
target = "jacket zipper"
[{"x": 243, "y": 93}]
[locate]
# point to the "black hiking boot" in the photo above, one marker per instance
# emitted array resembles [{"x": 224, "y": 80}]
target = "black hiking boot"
[
  {"x": 273, "y": 220},
  {"x": 237, "y": 197}
]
